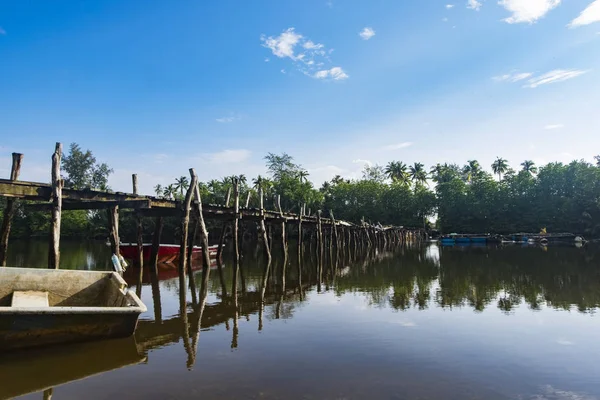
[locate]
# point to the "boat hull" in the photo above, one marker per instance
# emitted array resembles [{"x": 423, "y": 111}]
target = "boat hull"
[
  {"x": 167, "y": 253},
  {"x": 82, "y": 306}
]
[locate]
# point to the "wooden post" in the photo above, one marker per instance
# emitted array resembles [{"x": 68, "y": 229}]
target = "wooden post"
[
  {"x": 185, "y": 228},
  {"x": 9, "y": 210},
  {"x": 263, "y": 227},
  {"x": 320, "y": 246},
  {"x": 204, "y": 241},
  {"x": 223, "y": 230},
  {"x": 57, "y": 184},
  {"x": 156, "y": 243},
  {"x": 248, "y": 198},
  {"x": 283, "y": 243},
  {"x": 113, "y": 224},
  {"x": 335, "y": 234},
  {"x": 236, "y": 243},
  {"x": 140, "y": 239}
]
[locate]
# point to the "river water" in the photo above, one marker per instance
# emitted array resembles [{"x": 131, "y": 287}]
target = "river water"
[{"x": 418, "y": 323}]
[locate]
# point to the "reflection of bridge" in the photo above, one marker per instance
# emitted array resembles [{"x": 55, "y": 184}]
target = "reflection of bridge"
[{"x": 152, "y": 333}]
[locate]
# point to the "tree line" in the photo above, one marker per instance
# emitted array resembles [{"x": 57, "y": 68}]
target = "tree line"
[{"x": 451, "y": 198}]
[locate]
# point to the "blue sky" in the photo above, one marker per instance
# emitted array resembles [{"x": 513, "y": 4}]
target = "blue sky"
[{"x": 157, "y": 87}]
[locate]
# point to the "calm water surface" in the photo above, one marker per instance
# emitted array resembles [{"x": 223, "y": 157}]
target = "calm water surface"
[{"x": 419, "y": 323}]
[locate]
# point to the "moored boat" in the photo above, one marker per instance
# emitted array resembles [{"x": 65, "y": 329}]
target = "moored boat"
[
  {"x": 41, "y": 307},
  {"x": 167, "y": 253}
]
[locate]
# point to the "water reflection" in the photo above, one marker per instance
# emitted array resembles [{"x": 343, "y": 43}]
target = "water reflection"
[{"x": 405, "y": 280}]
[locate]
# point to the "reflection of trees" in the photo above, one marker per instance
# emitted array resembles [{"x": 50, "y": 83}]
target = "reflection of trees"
[{"x": 558, "y": 277}]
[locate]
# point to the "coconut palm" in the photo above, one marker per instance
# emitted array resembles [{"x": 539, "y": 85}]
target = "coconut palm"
[
  {"x": 529, "y": 166},
  {"x": 182, "y": 184},
  {"x": 499, "y": 167},
  {"x": 417, "y": 173},
  {"x": 397, "y": 172},
  {"x": 303, "y": 175},
  {"x": 471, "y": 170},
  {"x": 158, "y": 189},
  {"x": 169, "y": 191}
]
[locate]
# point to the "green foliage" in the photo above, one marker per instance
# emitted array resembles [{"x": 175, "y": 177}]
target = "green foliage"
[{"x": 81, "y": 170}]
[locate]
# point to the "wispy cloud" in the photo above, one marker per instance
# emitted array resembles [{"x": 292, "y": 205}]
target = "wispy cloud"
[
  {"x": 228, "y": 120},
  {"x": 555, "y": 76},
  {"x": 228, "y": 156},
  {"x": 307, "y": 56},
  {"x": 512, "y": 77},
  {"x": 397, "y": 146},
  {"x": 527, "y": 10},
  {"x": 2, "y": 31},
  {"x": 554, "y": 126},
  {"x": 367, "y": 33},
  {"x": 449, "y": 6},
  {"x": 361, "y": 161},
  {"x": 588, "y": 16},
  {"x": 335, "y": 73},
  {"x": 474, "y": 5},
  {"x": 329, "y": 3}
]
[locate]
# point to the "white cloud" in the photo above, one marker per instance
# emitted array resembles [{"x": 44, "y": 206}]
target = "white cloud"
[
  {"x": 2, "y": 31},
  {"x": 335, "y": 73},
  {"x": 564, "y": 342},
  {"x": 512, "y": 77},
  {"x": 267, "y": 59},
  {"x": 474, "y": 5},
  {"x": 227, "y": 120},
  {"x": 229, "y": 156},
  {"x": 397, "y": 146},
  {"x": 527, "y": 10},
  {"x": 283, "y": 45},
  {"x": 367, "y": 33},
  {"x": 449, "y": 6},
  {"x": 361, "y": 161},
  {"x": 557, "y": 75},
  {"x": 306, "y": 55},
  {"x": 554, "y": 126},
  {"x": 588, "y": 16},
  {"x": 309, "y": 45},
  {"x": 445, "y": 19},
  {"x": 329, "y": 3}
]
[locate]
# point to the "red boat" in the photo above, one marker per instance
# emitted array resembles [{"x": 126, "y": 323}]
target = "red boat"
[{"x": 167, "y": 253}]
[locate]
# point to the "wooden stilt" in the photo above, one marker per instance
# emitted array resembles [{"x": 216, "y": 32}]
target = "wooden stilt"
[
  {"x": 140, "y": 240},
  {"x": 185, "y": 228},
  {"x": 236, "y": 242},
  {"x": 220, "y": 248},
  {"x": 204, "y": 240},
  {"x": 263, "y": 227},
  {"x": 57, "y": 185},
  {"x": 113, "y": 225},
  {"x": 320, "y": 246},
  {"x": 9, "y": 209},
  {"x": 158, "y": 227},
  {"x": 283, "y": 244}
]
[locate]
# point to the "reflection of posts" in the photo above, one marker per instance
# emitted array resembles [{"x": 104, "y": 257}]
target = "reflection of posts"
[
  {"x": 156, "y": 296},
  {"x": 48, "y": 394}
]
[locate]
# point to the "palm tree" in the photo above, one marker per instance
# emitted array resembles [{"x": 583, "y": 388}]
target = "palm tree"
[
  {"x": 181, "y": 184},
  {"x": 303, "y": 175},
  {"x": 471, "y": 170},
  {"x": 158, "y": 189},
  {"x": 529, "y": 166},
  {"x": 597, "y": 158},
  {"x": 499, "y": 167},
  {"x": 397, "y": 172},
  {"x": 169, "y": 191},
  {"x": 417, "y": 173}
]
